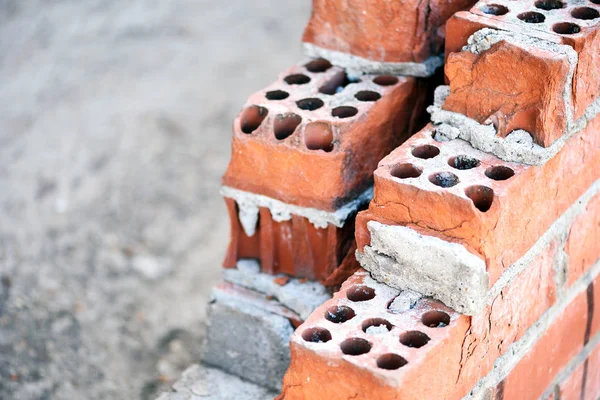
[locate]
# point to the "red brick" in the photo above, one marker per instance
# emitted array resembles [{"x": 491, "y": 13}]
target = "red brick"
[
  {"x": 586, "y": 42},
  {"x": 379, "y": 30},
  {"x": 485, "y": 88},
  {"x": 582, "y": 244},
  {"x": 559, "y": 344},
  {"x": 451, "y": 363},
  {"x": 323, "y": 370},
  {"x": 522, "y": 208},
  {"x": 294, "y": 247},
  {"x": 584, "y": 382},
  {"x": 510, "y": 315},
  {"x": 328, "y": 154}
]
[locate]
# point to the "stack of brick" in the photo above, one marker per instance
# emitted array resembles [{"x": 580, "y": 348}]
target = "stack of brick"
[
  {"x": 303, "y": 154},
  {"x": 482, "y": 240}
]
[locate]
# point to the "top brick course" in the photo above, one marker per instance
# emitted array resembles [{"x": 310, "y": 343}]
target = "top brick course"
[
  {"x": 569, "y": 22},
  {"x": 380, "y": 30},
  {"x": 314, "y": 137}
]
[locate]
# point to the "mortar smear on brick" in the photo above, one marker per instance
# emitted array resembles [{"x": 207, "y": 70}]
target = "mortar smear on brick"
[
  {"x": 302, "y": 297},
  {"x": 249, "y": 203},
  {"x": 405, "y": 259}
]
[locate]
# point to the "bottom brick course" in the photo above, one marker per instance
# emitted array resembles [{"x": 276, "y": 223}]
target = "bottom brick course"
[{"x": 532, "y": 326}]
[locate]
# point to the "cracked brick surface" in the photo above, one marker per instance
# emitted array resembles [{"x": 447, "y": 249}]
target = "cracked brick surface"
[
  {"x": 458, "y": 355},
  {"x": 314, "y": 137},
  {"x": 569, "y": 22},
  {"x": 378, "y": 30}
]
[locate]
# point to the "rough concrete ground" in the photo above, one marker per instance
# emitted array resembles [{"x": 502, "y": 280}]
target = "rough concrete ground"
[
  {"x": 201, "y": 382},
  {"x": 115, "y": 128}
]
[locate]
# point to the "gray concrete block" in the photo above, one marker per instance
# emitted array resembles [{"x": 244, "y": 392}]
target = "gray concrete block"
[
  {"x": 248, "y": 335},
  {"x": 202, "y": 382}
]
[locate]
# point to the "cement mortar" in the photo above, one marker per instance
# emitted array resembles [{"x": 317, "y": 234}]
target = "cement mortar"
[
  {"x": 356, "y": 66},
  {"x": 249, "y": 203},
  {"x": 202, "y": 382},
  {"x": 404, "y": 259},
  {"x": 301, "y": 297}
]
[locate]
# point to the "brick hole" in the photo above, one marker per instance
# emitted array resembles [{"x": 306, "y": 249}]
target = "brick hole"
[
  {"x": 391, "y": 361},
  {"x": 549, "y": 4},
  {"x": 499, "y": 173},
  {"x": 386, "y": 80},
  {"x": 532, "y": 17},
  {"x": 360, "y": 293},
  {"x": 344, "y": 112},
  {"x": 310, "y": 104},
  {"x": 585, "y": 13},
  {"x": 566, "y": 28},
  {"x": 296, "y": 79},
  {"x": 376, "y": 323},
  {"x": 414, "y": 339},
  {"x": 435, "y": 319},
  {"x": 318, "y": 65},
  {"x": 318, "y": 136},
  {"x": 367, "y": 95},
  {"x": 336, "y": 84},
  {"x": 355, "y": 346},
  {"x": 481, "y": 196},
  {"x": 252, "y": 117},
  {"x": 444, "y": 179},
  {"x": 339, "y": 314},
  {"x": 277, "y": 95},
  {"x": 405, "y": 171},
  {"x": 463, "y": 162},
  {"x": 494, "y": 9},
  {"x": 285, "y": 124},
  {"x": 426, "y": 151},
  {"x": 316, "y": 335}
]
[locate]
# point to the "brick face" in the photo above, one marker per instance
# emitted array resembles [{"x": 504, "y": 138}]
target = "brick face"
[
  {"x": 316, "y": 141},
  {"x": 584, "y": 382},
  {"x": 560, "y": 343},
  {"x": 557, "y": 26},
  {"x": 582, "y": 244},
  {"x": 483, "y": 87},
  {"x": 380, "y": 30},
  {"x": 295, "y": 247}
]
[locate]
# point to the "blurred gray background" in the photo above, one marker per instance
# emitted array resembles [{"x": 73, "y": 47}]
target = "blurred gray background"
[{"x": 115, "y": 126}]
